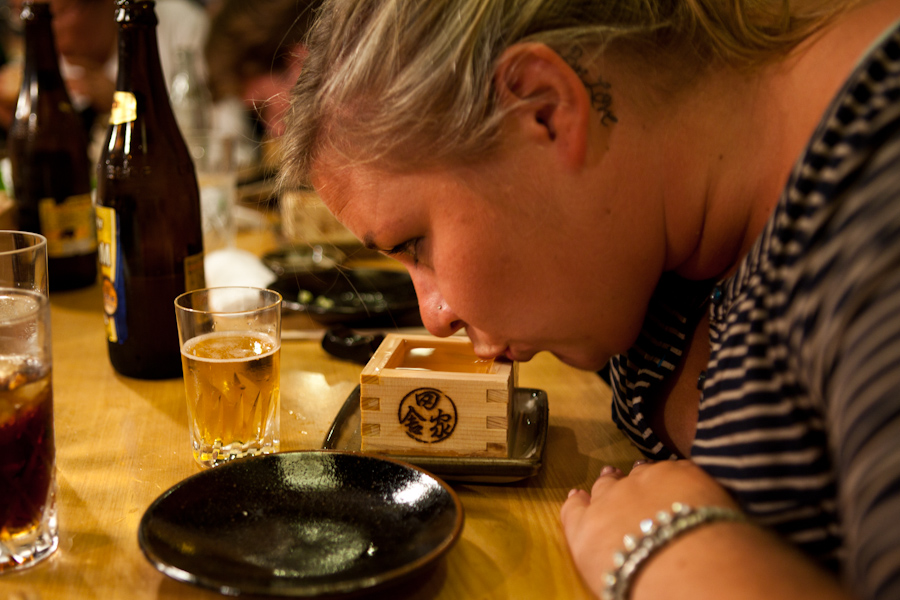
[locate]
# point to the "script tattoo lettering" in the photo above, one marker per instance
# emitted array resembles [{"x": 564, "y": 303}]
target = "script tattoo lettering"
[{"x": 599, "y": 90}]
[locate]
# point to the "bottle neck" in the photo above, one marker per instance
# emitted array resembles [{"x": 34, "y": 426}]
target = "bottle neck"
[
  {"x": 140, "y": 69},
  {"x": 40, "y": 46}
]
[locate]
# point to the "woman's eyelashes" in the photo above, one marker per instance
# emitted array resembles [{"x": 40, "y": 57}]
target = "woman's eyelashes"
[{"x": 408, "y": 250}]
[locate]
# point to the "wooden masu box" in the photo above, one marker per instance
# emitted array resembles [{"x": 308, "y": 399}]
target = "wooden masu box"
[{"x": 422, "y": 395}]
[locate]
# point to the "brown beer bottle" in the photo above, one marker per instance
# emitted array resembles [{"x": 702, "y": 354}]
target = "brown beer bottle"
[
  {"x": 148, "y": 208},
  {"x": 51, "y": 171}
]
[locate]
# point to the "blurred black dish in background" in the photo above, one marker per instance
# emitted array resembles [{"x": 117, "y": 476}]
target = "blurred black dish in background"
[
  {"x": 303, "y": 259},
  {"x": 343, "y": 342},
  {"x": 362, "y": 298}
]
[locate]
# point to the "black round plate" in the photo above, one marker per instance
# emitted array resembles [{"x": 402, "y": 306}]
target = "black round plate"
[
  {"x": 301, "y": 524},
  {"x": 353, "y": 297}
]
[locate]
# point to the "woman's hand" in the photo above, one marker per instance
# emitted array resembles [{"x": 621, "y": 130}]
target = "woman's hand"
[
  {"x": 723, "y": 559},
  {"x": 595, "y": 523}
]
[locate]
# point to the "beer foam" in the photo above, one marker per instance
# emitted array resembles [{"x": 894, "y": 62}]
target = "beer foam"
[{"x": 220, "y": 346}]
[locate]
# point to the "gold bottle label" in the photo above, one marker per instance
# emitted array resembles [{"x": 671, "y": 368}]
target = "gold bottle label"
[
  {"x": 194, "y": 273},
  {"x": 68, "y": 226},
  {"x": 124, "y": 108},
  {"x": 109, "y": 258}
]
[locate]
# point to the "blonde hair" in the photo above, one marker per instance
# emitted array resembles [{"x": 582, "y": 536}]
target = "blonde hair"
[{"x": 409, "y": 83}]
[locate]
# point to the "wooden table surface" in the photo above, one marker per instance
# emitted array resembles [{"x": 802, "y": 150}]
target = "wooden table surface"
[{"x": 122, "y": 442}]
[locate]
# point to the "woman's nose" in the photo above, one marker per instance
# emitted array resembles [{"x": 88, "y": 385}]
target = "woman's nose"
[{"x": 437, "y": 315}]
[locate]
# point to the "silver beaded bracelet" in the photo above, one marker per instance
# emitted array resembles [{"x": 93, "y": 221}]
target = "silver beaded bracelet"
[{"x": 655, "y": 535}]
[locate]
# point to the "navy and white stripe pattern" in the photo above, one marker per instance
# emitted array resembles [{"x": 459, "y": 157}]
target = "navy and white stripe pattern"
[{"x": 800, "y": 409}]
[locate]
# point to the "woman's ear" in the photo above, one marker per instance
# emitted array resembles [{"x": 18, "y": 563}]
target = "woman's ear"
[{"x": 548, "y": 100}]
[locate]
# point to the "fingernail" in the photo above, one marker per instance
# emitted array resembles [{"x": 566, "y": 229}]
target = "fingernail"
[
  {"x": 608, "y": 470},
  {"x": 572, "y": 493},
  {"x": 642, "y": 461}
]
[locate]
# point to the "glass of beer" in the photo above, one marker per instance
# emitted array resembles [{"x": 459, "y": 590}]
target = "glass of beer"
[
  {"x": 231, "y": 356},
  {"x": 28, "y": 523}
]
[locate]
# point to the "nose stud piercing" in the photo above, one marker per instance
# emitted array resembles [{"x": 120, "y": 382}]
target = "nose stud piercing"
[{"x": 440, "y": 307}]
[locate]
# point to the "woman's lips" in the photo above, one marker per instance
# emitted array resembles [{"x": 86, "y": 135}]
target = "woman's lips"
[
  {"x": 498, "y": 352},
  {"x": 505, "y": 355},
  {"x": 518, "y": 355}
]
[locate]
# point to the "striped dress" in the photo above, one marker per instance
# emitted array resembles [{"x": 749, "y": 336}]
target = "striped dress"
[{"x": 800, "y": 406}]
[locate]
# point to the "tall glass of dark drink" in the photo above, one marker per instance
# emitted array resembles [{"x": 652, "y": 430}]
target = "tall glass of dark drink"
[{"x": 28, "y": 525}]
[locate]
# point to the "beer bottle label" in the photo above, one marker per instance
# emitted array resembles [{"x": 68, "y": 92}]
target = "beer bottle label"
[
  {"x": 124, "y": 108},
  {"x": 109, "y": 252},
  {"x": 68, "y": 226},
  {"x": 194, "y": 273}
]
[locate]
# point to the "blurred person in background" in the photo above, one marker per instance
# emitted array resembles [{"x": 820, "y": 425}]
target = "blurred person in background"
[
  {"x": 10, "y": 65},
  {"x": 86, "y": 39},
  {"x": 254, "y": 53},
  {"x": 85, "y": 32}
]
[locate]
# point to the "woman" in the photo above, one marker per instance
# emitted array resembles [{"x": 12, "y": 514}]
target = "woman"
[{"x": 703, "y": 192}]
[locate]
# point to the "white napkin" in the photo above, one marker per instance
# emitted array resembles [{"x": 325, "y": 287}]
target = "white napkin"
[{"x": 231, "y": 266}]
